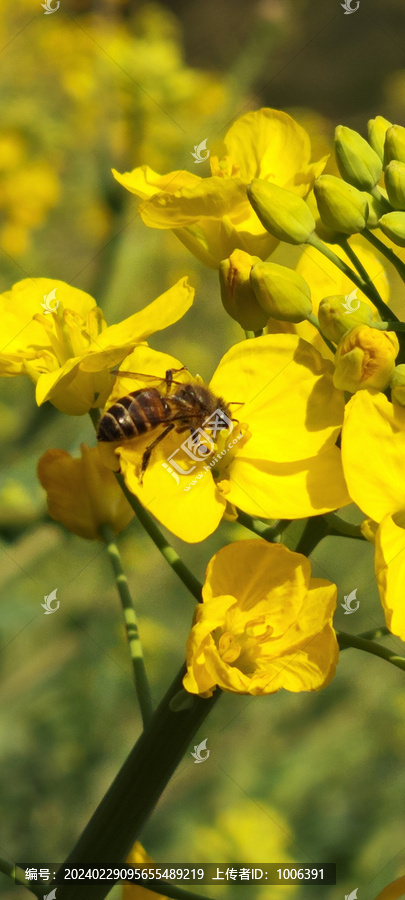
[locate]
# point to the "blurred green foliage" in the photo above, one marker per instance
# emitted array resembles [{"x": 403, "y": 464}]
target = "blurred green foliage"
[{"x": 290, "y": 777}]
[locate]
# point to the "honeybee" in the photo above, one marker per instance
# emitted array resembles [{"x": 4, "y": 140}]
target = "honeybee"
[{"x": 181, "y": 407}]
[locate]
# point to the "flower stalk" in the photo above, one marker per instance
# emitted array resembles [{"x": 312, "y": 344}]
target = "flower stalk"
[{"x": 131, "y": 625}]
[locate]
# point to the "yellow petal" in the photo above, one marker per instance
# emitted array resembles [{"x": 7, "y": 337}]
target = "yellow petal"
[
  {"x": 144, "y": 182},
  {"x": 390, "y": 573},
  {"x": 211, "y": 197},
  {"x": 268, "y": 143},
  {"x": 288, "y": 490},
  {"x": 112, "y": 344},
  {"x": 82, "y": 493},
  {"x": 373, "y": 454},
  {"x": 291, "y": 406}
]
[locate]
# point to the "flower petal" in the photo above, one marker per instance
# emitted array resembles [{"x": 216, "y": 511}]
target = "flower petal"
[
  {"x": 288, "y": 490},
  {"x": 390, "y": 573},
  {"x": 212, "y": 197},
  {"x": 268, "y": 143},
  {"x": 291, "y": 406},
  {"x": 144, "y": 182},
  {"x": 373, "y": 454}
]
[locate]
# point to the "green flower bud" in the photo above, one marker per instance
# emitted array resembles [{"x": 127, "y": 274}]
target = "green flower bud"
[
  {"x": 376, "y": 209},
  {"x": 357, "y": 162},
  {"x": 393, "y": 225},
  {"x": 282, "y": 293},
  {"x": 341, "y": 206},
  {"x": 377, "y": 129},
  {"x": 339, "y": 313},
  {"x": 394, "y": 147},
  {"x": 237, "y": 294},
  {"x": 395, "y": 183},
  {"x": 283, "y": 214},
  {"x": 397, "y": 385}
]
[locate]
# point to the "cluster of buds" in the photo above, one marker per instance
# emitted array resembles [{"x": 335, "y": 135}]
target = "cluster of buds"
[
  {"x": 253, "y": 291},
  {"x": 349, "y": 204}
]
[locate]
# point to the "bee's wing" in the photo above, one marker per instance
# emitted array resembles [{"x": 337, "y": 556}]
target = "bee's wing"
[{"x": 120, "y": 373}]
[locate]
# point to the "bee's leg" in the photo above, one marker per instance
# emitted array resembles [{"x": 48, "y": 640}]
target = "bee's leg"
[
  {"x": 169, "y": 376},
  {"x": 150, "y": 447}
]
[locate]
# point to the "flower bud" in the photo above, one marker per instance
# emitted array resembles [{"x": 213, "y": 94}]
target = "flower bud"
[
  {"x": 397, "y": 385},
  {"x": 394, "y": 146},
  {"x": 282, "y": 293},
  {"x": 365, "y": 358},
  {"x": 237, "y": 294},
  {"x": 393, "y": 225},
  {"x": 376, "y": 209},
  {"x": 377, "y": 129},
  {"x": 357, "y": 162},
  {"x": 336, "y": 317},
  {"x": 395, "y": 183},
  {"x": 282, "y": 213},
  {"x": 341, "y": 206}
]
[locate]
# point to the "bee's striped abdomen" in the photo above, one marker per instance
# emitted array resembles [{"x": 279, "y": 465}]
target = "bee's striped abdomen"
[{"x": 133, "y": 415}]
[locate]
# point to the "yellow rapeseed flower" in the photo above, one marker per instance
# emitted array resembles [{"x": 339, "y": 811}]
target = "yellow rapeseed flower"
[
  {"x": 212, "y": 216},
  {"x": 365, "y": 359},
  {"x": 66, "y": 348},
  {"x": 373, "y": 451},
  {"x": 264, "y": 624},
  {"x": 82, "y": 493},
  {"x": 280, "y": 459}
]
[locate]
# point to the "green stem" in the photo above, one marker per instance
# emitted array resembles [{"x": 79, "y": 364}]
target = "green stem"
[
  {"x": 345, "y": 528},
  {"x": 17, "y": 875},
  {"x": 375, "y": 633},
  {"x": 122, "y": 813},
  {"x": 354, "y": 259},
  {"x": 360, "y": 643},
  {"x": 134, "y": 642},
  {"x": 389, "y": 326},
  {"x": 313, "y": 319},
  {"x": 315, "y": 529},
  {"x": 314, "y": 241},
  {"x": 269, "y": 532},
  {"x": 388, "y": 253},
  {"x": 179, "y": 567}
]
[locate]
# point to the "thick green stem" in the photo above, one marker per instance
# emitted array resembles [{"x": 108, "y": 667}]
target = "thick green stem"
[
  {"x": 314, "y": 241},
  {"x": 354, "y": 259},
  {"x": 134, "y": 642},
  {"x": 360, "y": 643},
  {"x": 171, "y": 891},
  {"x": 390, "y": 326},
  {"x": 315, "y": 529},
  {"x": 17, "y": 875},
  {"x": 375, "y": 633},
  {"x": 122, "y": 813},
  {"x": 270, "y": 533},
  {"x": 169, "y": 554},
  {"x": 313, "y": 319},
  {"x": 389, "y": 254}
]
